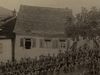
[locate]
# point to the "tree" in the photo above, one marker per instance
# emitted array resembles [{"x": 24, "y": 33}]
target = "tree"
[{"x": 86, "y": 24}]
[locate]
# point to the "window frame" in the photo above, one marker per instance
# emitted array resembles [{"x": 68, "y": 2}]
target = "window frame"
[
  {"x": 27, "y": 40},
  {"x": 47, "y": 43},
  {"x": 62, "y": 43},
  {"x": 31, "y": 40}
]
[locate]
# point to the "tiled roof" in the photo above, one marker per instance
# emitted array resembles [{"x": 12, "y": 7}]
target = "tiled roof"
[
  {"x": 6, "y": 29},
  {"x": 32, "y": 19}
]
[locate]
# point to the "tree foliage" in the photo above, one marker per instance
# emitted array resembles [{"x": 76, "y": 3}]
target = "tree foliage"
[{"x": 86, "y": 23}]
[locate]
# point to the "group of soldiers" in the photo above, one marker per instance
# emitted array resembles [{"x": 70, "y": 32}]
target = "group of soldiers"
[{"x": 81, "y": 60}]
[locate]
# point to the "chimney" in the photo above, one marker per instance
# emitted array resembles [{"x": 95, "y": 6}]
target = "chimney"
[{"x": 14, "y": 12}]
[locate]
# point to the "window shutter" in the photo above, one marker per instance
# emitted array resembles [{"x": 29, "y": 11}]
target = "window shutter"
[
  {"x": 68, "y": 44},
  {"x": 34, "y": 42},
  {"x": 22, "y": 42},
  {"x": 41, "y": 43},
  {"x": 55, "y": 44},
  {"x": 1, "y": 48}
]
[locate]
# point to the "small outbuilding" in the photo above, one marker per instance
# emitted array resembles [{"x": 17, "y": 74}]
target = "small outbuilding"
[{"x": 7, "y": 39}]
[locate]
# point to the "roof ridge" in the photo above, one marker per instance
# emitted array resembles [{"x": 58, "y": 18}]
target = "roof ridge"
[{"x": 41, "y": 7}]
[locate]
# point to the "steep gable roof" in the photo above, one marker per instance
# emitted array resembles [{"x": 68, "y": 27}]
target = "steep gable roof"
[{"x": 32, "y": 19}]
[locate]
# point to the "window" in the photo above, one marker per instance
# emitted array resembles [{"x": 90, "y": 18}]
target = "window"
[
  {"x": 47, "y": 43},
  {"x": 62, "y": 43},
  {"x": 28, "y": 43}
]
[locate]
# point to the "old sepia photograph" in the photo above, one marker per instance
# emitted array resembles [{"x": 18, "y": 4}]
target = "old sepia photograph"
[{"x": 49, "y": 37}]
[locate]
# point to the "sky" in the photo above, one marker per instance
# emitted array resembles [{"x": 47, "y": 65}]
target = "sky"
[{"x": 75, "y": 5}]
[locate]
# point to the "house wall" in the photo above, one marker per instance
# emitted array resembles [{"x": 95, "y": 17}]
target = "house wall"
[
  {"x": 21, "y": 52},
  {"x": 5, "y": 50}
]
